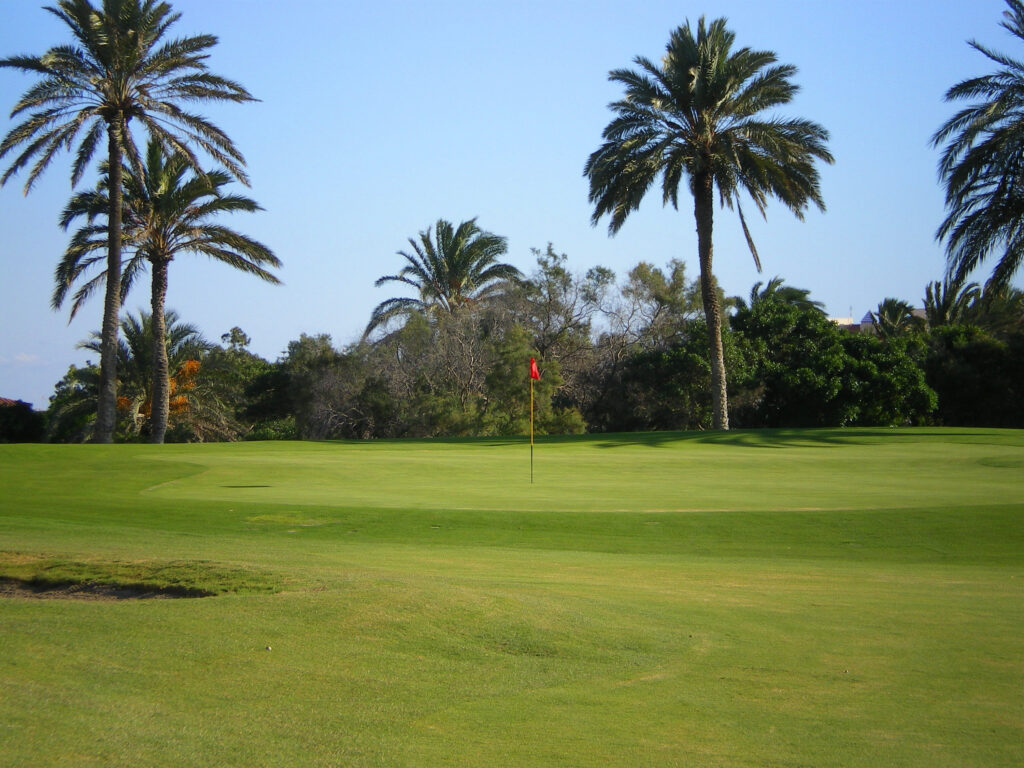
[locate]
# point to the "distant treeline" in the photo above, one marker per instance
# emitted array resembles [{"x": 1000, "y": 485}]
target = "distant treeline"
[{"x": 614, "y": 355}]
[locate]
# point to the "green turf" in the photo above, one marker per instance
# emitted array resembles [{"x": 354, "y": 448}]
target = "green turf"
[{"x": 786, "y": 598}]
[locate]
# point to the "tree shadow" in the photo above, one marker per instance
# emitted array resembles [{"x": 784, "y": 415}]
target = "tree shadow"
[
  {"x": 769, "y": 438},
  {"x": 775, "y": 438}
]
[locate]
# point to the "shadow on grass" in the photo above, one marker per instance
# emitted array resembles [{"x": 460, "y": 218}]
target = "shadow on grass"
[
  {"x": 750, "y": 438},
  {"x": 778, "y": 438}
]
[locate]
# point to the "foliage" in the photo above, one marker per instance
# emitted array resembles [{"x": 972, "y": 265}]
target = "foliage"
[
  {"x": 230, "y": 369},
  {"x": 895, "y": 318},
  {"x": 982, "y": 165},
  {"x": 653, "y": 307},
  {"x": 563, "y": 312},
  {"x": 799, "y": 362},
  {"x": 20, "y": 424},
  {"x": 306, "y": 363},
  {"x": 886, "y": 382},
  {"x": 949, "y": 302},
  {"x": 777, "y": 290},
  {"x": 618, "y": 356},
  {"x": 166, "y": 213},
  {"x": 185, "y": 347},
  {"x": 668, "y": 387},
  {"x": 507, "y": 398},
  {"x": 206, "y": 386},
  {"x": 72, "y": 409},
  {"x": 978, "y": 378},
  {"x": 697, "y": 117},
  {"x": 998, "y": 311},
  {"x": 811, "y": 373},
  {"x": 121, "y": 69},
  {"x": 451, "y": 268}
]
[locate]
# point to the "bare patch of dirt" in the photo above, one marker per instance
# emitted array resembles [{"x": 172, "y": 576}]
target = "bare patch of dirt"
[{"x": 11, "y": 588}]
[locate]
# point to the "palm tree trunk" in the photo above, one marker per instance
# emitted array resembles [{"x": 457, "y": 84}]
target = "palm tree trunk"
[
  {"x": 703, "y": 210},
  {"x": 106, "y": 409},
  {"x": 161, "y": 383}
]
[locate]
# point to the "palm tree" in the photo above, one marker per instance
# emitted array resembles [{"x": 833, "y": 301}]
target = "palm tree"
[
  {"x": 120, "y": 69},
  {"x": 73, "y": 407},
  {"x": 451, "y": 268},
  {"x": 982, "y": 165},
  {"x": 184, "y": 345},
  {"x": 696, "y": 116},
  {"x": 777, "y": 290},
  {"x": 949, "y": 302},
  {"x": 167, "y": 212},
  {"x": 999, "y": 311},
  {"x": 895, "y": 318}
]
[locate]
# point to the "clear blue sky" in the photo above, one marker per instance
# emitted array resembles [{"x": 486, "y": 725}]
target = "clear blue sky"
[{"x": 376, "y": 119}]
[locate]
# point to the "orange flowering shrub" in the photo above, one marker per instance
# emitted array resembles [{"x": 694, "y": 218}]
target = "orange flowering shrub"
[
  {"x": 189, "y": 369},
  {"x": 183, "y": 380}
]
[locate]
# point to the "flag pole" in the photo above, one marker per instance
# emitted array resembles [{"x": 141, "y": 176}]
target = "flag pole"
[{"x": 534, "y": 374}]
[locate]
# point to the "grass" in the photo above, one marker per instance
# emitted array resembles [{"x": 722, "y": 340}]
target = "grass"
[{"x": 786, "y": 598}]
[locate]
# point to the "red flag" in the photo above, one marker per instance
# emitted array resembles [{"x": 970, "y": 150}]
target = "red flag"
[{"x": 534, "y": 373}]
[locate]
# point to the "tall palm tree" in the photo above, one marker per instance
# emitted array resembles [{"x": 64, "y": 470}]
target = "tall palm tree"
[
  {"x": 167, "y": 212},
  {"x": 120, "y": 68},
  {"x": 697, "y": 116},
  {"x": 982, "y": 165},
  {"x": 949, "y": 302},
  {"x": 451, "y": 268}
]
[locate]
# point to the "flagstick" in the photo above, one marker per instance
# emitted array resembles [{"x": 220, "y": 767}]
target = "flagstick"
[{"x": 531, "y": 430}]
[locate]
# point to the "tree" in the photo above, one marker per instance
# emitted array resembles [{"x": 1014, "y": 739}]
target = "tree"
[
  {"x": 666, "y": 387},
  {"x": 557, "y": 306},
  {"x": 895, "y": 318},
  {"x": 559, "y": 309},
  {"x": 71, "y": 414},
  {"x": 777, "y": 290},
  {"x": 72, "y": 406},
  {"x": 809, "y": 372},
  {"x": 167, "y": 212},
  {"x": 227, "y": 373},
  {"x": 799, "y": 364},
  {"x": 999, "y": 311},
  {"x": 696, "y": 116},
  {"x": 183, "y": 345},
  {"x": 949, "y": 302},
  {"x": 120, "y": 69},
  {"x": 19, "y": 423},
  {"x": 653, "y": 308},
  {"x": 294, "y": 389},
  {"x": 982, "y": 165},
  {"x": 507, "y": 403},
  {"x": 450, "y": 269},
  {"x": 978, "y": 377}
]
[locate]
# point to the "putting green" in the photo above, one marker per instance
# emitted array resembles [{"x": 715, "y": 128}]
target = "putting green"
[{"x": 859, "y": 469}]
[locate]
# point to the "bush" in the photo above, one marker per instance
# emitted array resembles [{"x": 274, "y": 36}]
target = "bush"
[{"x": 19, "y": 423}]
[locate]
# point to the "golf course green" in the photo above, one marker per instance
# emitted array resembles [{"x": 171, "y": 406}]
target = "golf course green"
[{"x": 752, "y": 598}]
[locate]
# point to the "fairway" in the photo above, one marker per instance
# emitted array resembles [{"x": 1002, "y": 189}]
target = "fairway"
[{"x": 771, "y": 598}]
